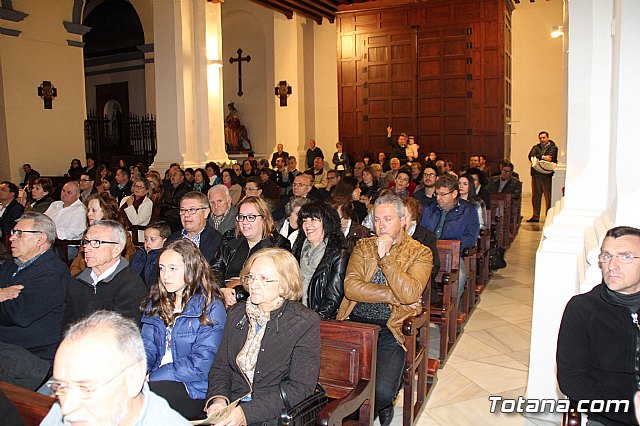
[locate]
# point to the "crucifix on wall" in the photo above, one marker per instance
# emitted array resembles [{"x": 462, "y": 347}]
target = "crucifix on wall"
[
  {"x": 240, "y": 60},
  {"x": 283, "y": 90},
  {"x": 48, "y": 93}
]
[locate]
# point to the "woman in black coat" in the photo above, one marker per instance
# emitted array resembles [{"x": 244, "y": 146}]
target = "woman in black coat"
[
  {"x": 320, "y": 250},
  {"x": 255, "y": 230}
]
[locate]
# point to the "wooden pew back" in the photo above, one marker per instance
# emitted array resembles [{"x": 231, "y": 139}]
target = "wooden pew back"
[
  {"x": 348, "y": 370},
  {"x": 32, "y": 406}
]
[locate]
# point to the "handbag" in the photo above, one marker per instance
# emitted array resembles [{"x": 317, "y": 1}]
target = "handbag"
[{"x": 306, "y": 411}]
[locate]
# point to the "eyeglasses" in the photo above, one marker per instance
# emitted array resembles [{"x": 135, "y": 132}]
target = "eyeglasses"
[
  {"x": 86, "y": 391},
  {"x": 18, "y": 232},
  {"x": 250, "y": 189},
  {"x": 95, "y": 243},
  {"x": 247, "y": 217},
  {"x": 622, "y": 258},
  {"x": 300, "y": 184},
  {"x": 192, "y": 210},
  {"x": 85, "y": 180},
  {"x": 430, "y": 174},
  {"x": 249, "y": 279},
  {"x": 139, "y": 187},
  {"x": 442, "y": 194}
]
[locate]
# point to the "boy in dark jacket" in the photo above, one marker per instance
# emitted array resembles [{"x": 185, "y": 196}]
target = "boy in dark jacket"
[{"x": 145, "y": 261}]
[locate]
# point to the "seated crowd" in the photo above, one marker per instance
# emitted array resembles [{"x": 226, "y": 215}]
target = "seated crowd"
[{"x": 222, "y": 299}]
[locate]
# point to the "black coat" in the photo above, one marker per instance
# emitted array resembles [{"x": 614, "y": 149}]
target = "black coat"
[
  {"x": 210, "y": 241},
  {"x": 598, "y": 345},
  {"x": 289, "y": 355},
  {"x": 118, "y": 193},
  {"x": 33, "y": 320},
  {"x": 121, "y": 292},
  {"x": 326, "y": 288},
  {"x": 228, "y": 251},
  {"x": 356, "y": 232},
  {"x": 11, "y": 214}
]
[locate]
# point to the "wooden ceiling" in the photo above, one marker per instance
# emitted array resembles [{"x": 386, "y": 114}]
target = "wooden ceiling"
[{"x": 314, "y": 9}]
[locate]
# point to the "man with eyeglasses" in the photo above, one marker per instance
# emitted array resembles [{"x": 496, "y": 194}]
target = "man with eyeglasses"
[
  {"x": 99, "y": 377},
  {"x": 426, "y": 191},
  {"x": 194, "y": 211},
  {"x": 598, "y": 342},
  {"x": 506, "y": 183},
  {"x": 108, "y": 282},
  {"x": 32, "y": 288},
  {"x": 302, "y": 187},
  {"x": 87, "y": 186},
  {"x": 452, "y": 218}
]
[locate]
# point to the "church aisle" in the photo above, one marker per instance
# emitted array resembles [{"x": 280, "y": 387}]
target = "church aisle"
[{"x": 492, "y": 355}]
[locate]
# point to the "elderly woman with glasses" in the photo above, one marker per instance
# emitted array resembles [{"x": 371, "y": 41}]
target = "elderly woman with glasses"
[
  {"x": 255, "y": 230},
  {"x": 136, "y": 209},
  {"x": 270, "y": 344}
]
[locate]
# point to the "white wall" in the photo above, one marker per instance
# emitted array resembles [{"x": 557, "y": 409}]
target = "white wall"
[{"x": 538, "y": 88}]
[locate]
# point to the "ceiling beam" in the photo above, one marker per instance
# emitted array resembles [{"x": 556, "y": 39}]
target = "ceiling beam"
[
  {"x": 305, "y": 9},
  {"x": 277, "y": 7}
]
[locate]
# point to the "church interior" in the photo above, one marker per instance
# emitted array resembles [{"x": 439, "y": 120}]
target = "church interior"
[{"x": 463, "y": 76}]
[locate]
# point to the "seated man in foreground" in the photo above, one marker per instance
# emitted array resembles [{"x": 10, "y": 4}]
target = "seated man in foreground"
[
  {"x": 32, "y": 288},
  {"x": 385, "y": 279},
  {"x": 99, "y": 377},
  {"x": 598, "y": 340},
  {"x": 108, "y": 282}
]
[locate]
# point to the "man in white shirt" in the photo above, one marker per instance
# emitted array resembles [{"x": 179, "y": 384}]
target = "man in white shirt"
[{"x": 69, "y": 213}]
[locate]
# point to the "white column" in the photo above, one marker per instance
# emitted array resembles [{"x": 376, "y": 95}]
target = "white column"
[{"x": 188, "y": 89}]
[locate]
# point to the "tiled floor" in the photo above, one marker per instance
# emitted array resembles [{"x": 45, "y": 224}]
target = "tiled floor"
[{"x": 492, "y": 355}]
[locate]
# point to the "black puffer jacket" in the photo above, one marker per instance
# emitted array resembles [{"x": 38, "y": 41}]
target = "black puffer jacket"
[{"x": 326, "y": 288}]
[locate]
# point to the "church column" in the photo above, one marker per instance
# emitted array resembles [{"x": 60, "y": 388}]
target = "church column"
[
  {"x": 183, "y": 97},
  {"x": 213, "y": 146}
]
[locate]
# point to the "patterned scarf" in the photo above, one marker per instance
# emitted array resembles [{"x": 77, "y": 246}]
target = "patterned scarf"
[{"x": 248, "y": 355}]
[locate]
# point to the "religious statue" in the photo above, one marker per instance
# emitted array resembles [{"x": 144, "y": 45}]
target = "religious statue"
[{"x": 235, "y": 134}]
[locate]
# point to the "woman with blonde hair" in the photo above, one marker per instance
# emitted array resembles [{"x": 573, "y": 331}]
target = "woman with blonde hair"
[
  {"x": 136, "y": 209},
  {"x": 255, "y": 230},
  {"x": 271, "y": 344}
]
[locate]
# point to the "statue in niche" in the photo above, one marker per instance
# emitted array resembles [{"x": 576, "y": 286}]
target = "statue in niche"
[{"x": 235, "y": 134}]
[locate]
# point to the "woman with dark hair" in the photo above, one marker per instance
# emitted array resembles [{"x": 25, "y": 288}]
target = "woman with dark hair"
[
  {"x": 255, "y": 230},
  {"x": 76, "y": 169},
  {"x": 230, "y": 180},
  {"x": 212, "y": 173},
  {"x": 201, "y": 181},
  {"x": 320, "y": 250},
  {"x": 467, "y": 190},
  {"x": 248, "y": 169},
  {"x": 402, "y": 185},
  {"x": 101, "y": 206},
  {"x": 182, "y": 324},
  {"x": 369, "y": 185},
  {"x": 270, "y": 346},
  {"x": 350, "y": 188},
  {"x": 40, "y": 199},
  {"x": 352, "y": 230}
]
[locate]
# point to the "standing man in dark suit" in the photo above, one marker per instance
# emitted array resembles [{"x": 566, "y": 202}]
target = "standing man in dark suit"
[
  {"x": 280, "y": 153},
  {"x": 312, "y": 153},
  {"x": 194, "y": 211},
  {"x": 541, "y": 182}
]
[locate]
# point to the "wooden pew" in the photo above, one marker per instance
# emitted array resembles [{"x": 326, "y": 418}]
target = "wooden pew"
[
  {"x": 482, "y": 256},
  {"x": 496, "y": 213},
  {"x": 32, "y": 406},
  {"x": 504, "y": 202},
  {"x": 444, "y": 313},
  {"x": 63, "y": 249},
  {"x": 417, "y": 362},
  {"x": 348, "y": 371}
]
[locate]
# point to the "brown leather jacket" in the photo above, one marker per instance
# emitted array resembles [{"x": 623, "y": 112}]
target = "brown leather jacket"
[{"x": 407, "y": 269}]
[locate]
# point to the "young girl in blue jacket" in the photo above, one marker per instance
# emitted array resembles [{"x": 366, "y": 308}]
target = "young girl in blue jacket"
[{"x": 182, "y": 325}]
